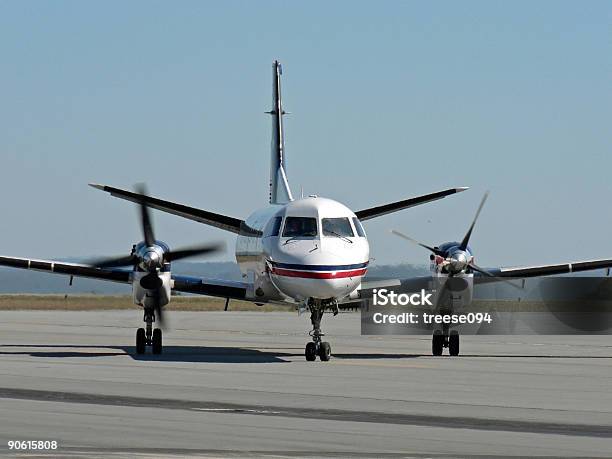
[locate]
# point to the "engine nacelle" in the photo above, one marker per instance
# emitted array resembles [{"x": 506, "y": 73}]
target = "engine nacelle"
[
  {"x": 145, "y": 297},
  {"x": 452, "y": 292}
]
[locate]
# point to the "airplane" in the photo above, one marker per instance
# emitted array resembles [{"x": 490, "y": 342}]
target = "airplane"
[
  {"x": 454, "y": 273},
  {"x": 311, "y": 252}
]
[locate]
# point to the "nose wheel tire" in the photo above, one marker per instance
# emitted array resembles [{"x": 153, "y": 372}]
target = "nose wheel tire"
[
  {"x": 324, "y": 351},
  {"x": 311, "y": 352},
  {"x": 141, "y": 341},
  {"x": 156, "y": 342},
  {"x": 437, "y": 343},
  {"x": 453, "y": 343}
]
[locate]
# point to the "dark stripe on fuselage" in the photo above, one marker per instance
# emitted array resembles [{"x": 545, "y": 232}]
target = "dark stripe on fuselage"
[{"x": 319, "y": 267}]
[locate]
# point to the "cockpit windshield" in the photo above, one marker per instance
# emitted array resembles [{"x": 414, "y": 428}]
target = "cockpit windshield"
[
  {"x": 300, "y": 227},
  {"x": 358, "y": 227},
  {"x": 338, "y": 227},
  {"x": 273, "y": 227}
]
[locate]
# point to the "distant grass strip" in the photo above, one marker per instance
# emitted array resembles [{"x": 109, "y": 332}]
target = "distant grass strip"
[{"x": 111, "y": 302}]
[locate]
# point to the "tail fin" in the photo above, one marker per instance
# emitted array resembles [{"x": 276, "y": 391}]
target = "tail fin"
[{"x": 280, "y": 193}]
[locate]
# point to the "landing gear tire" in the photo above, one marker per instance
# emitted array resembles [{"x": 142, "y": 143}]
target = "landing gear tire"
[
  {"x": 453, "y": 343},
  {"x": 437, "y": 343},
  {"x": 156, "y": 342},
  {"x": 324, "y": 351},
  {"x": 311, "y": 352},
  {"x": 141, "y": 341}
]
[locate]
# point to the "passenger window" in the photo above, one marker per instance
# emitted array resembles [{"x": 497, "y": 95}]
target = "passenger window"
[
  {"x": 339, "y": 227},
  {"x": 300, "y": 227},
  {"x": 273, "y": 227},
  {"x": 358, "y": 227}
]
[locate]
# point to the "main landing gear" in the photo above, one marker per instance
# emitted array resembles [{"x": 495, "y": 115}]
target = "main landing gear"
[
  {"x": 317, "y": 346},
  {"x": 149, "y": 336},
  {"x": 442, "y": 338}
]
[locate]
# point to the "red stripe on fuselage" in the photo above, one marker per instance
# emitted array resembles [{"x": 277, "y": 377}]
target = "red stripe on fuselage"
[{"x": 319, "y": 275}]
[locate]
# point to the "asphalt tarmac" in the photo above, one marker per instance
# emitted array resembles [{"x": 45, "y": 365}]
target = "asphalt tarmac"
[{"x": 237, "y": 384}]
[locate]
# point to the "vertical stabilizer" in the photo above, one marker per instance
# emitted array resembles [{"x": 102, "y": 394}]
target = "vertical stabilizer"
[{"x": 280, "y": 193}]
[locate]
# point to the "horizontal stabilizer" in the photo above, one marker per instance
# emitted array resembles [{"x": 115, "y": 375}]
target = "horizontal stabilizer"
[
  {"x": 223, "y": 222},
  {"x": 385, "y": 209}
]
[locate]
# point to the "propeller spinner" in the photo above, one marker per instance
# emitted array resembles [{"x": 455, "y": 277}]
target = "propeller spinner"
[{"x": 455, "y": 258}]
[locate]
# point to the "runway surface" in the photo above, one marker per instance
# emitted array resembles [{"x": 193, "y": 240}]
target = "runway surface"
[{"x": 237, "y": 384}]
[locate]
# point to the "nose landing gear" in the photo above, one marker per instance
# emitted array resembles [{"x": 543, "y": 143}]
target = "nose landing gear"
[
  {"x": 149, "y": 337},
  {"x": 318, "y": 347}
]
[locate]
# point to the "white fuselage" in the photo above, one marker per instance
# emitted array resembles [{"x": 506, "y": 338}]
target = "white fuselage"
[{"x": 309, "y": 248}]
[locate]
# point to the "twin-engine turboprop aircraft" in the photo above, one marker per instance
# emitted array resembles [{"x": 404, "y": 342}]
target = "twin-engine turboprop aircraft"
[{"x": 311, "y": 252}]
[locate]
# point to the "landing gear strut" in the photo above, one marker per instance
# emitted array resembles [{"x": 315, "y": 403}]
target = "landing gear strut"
[
  {"x": 317, "y": 346},
  {"x": 149, "y": 336},
  {"x": 442, "y": 338}
]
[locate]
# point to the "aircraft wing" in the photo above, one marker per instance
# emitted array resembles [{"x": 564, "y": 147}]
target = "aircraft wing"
[
  {"x": 234, "y": 225},
  {"x": 497, "y": 274},
  {"x": 547, "y": 270},
  {"x": 70, "y": 269},
  {"x": 187, "y": 284},
  {"x": 211, "y": 287},
  {"x": 373, "y": 212}
]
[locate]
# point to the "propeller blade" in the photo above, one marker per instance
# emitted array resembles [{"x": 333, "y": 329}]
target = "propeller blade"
[
  {"x": 187, "y": 252},
  {"x": 159, "y": 315},
  {"x": 441, "y": 291},
  {"x": 115, "y": 262},
  {"x": 480, "y": 270},
  {"x": 414, "y": 241},
  {"x": 486, "y": 273},
  {"x": 147, "y": 226},
  {"x": 466, "y": 239}
]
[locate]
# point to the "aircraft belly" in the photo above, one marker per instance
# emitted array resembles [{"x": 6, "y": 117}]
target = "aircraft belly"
[{"x": 301, "y": 288}]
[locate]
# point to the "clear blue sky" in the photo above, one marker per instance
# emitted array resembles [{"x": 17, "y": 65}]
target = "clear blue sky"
[{"x": 388, "y": 100}]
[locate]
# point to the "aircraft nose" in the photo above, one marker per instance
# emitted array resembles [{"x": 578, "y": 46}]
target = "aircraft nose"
[{"x": 322, "y": 279}]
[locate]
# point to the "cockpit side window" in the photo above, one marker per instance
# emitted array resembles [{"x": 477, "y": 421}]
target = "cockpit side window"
[
  {"x": 358, "y": 227},
  {"x": 300, "y": 227},
  {"x": 339, "y": 227},
  {"x": 273, "y": 227}
]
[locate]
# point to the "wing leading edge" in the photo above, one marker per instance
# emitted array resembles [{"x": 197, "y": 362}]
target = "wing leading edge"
[
  {"x": 224, "y": 222},
  {"x": 373, "y": 212}
]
